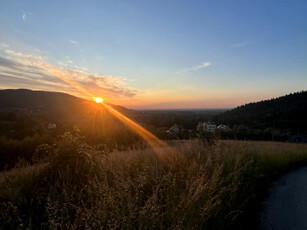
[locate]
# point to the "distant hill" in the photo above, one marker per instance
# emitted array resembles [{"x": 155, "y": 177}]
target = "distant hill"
[
  {"x": 25, "y": 98},
  {"x": 26, "y": 113},
  {"x": 286, "y": 112},
  {"x": 53, "y": 104}
]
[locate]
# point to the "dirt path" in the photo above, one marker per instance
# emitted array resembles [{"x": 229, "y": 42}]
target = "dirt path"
[{"x": 286, "y": 207}]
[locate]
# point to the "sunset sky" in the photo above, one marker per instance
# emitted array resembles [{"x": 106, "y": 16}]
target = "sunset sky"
[{"x": 156, "y": 54}]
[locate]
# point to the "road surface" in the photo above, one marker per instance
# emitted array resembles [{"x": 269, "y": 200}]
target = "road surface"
[{"x": 286, "y": 206}]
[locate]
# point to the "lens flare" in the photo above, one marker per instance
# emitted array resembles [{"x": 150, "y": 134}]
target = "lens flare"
[
  {"x": 98, "y": 100},
  {"x": 156, "y": 144}
]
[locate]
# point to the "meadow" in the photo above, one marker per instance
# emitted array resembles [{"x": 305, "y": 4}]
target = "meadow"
[{"x": 186, "y": 185}]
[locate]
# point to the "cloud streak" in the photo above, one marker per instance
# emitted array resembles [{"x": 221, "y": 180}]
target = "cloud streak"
[
  {"x": 73, "y": 42},
  {"x": 201, "y": 66},
  {"x": 21, "y": 70}
]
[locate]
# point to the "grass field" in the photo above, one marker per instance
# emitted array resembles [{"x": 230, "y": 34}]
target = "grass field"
[{"x": 187, "y": 185}]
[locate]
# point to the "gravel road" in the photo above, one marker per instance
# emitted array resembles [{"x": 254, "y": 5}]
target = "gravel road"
[{"x": 286, "y": 206}]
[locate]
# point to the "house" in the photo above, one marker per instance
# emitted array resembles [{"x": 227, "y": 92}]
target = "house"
[
  {"x": 222, "y": 127},
  {"x": 209, "y": 127},
  {"x": 174, "y": 130},
  {"x": 206, "y": 126},
  {"x": 51, "y": 126}
]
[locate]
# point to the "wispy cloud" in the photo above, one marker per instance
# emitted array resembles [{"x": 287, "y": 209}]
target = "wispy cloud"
[
  {"x": 73, "y": 42},
  {"x": 24, "y": 17},
  {"x": 28, "y": 71},
  {"x": 4, "y": 46},
  {"x": 240, "y": 44},
  {"x": 68, "y": 60},
  {"x": 201, "y": 66}
]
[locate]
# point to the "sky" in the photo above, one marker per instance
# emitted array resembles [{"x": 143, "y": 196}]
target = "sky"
[{"x": 156, "y": 54}]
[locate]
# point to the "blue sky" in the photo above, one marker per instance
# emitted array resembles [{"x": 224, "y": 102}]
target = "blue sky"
[{"x": 157, "y": 54}]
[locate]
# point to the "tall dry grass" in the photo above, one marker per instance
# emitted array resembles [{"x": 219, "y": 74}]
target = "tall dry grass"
[{"x": 184, "y": 186}]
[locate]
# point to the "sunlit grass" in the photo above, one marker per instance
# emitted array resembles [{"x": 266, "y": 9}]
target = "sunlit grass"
[{"x": 188, "y": 186}]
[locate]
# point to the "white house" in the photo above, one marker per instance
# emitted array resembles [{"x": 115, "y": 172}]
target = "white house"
[
  {"x": 222, "y": 127},
  {"x": 209, "y": 127},
  {"x": 206, "y": 126},
  {"x": 51, "y": 126},
  {"x": 174, "y": 130}
]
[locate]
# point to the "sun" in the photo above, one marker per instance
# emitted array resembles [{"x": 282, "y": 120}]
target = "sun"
[{"x": 98, "y": 100}]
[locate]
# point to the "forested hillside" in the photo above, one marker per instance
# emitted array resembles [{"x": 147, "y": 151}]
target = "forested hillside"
[{"x": 286, "y": 112}]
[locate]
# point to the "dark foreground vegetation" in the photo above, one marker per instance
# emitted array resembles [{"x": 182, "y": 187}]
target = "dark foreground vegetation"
[
  {"x": 68, "y": 163},
  {"x": 188, "y": 185}
]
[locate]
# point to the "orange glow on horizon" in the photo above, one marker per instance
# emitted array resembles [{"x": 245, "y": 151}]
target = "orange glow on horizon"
[
  {"x": 151, "y": 139},
  {"x": 154, "y": 142}
]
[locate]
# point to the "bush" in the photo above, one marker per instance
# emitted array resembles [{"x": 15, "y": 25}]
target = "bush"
[{"x": 13, "y": 150}]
